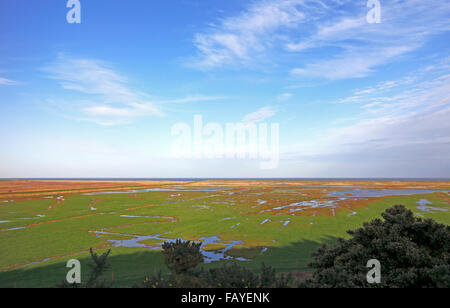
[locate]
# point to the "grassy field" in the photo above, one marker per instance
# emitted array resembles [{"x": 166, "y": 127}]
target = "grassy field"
[{"x": 279, "y": 223}]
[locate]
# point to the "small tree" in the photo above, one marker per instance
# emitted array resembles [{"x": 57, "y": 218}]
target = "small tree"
[
  {"x": 181, "y": 257},
  {"x": 413, "y": 253},
  {"x": 98, "y": 267}
]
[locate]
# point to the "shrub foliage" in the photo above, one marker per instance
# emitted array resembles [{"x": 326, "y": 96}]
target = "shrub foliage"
[
  {"x": 181, "y": 257},
  {"x": 413, "y": 252}
]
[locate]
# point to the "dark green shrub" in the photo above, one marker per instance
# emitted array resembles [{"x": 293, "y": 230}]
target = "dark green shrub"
[
  {"x": 227, "y": 276},
  {"x": 270, "y": 279},
  {"x": 231, "y": 276},
  {"x": 413, "y": 253},
  {"x": 182, "y": 256}
]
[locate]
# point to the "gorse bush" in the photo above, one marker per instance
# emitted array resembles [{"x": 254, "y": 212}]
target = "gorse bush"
[
  {"x": 156, "y": 281},
  {"x": 227, "y": 276},
  {"x": 181, "y": 257},
  {"x": 231, "y": 276},
  {"x": 237, "y": 276}
]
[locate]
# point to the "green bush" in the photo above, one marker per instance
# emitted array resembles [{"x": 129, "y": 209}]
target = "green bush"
[
  {"x": 227, "y": 276},
  {"x": 413, "y": 253},
  {"x": 231, "y": 276},
  {"x": 270, "y": 279},
  {"x": 181, "y": 257}
]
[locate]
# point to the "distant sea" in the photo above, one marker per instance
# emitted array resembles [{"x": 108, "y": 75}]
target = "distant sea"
[{"x": 231, "y": 179}]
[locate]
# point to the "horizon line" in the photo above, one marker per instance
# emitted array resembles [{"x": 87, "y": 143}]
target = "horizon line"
[{"x": 229, "y": 178}]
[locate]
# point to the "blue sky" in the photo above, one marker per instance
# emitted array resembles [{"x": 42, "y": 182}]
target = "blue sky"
[{"x": 100, "y": 98}]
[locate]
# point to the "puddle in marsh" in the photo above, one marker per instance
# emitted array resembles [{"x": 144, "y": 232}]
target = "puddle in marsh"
[
  {"x": 354, "y": 194},
  {"x": 209, "y": 255},
  {"x": 300, "y": 206},
  {"x": 35, "y": 217},
  {"x": 381, "y": 192},
  {"x": 17, "y": 228},
  {"x": 217, "y": 255},
  {"x": 26, "y": 265},
  {"x": 424, "y": 207},
  {"x": 202, "y": 206},
  {"x": 22, "y": 218},
  {"x": 44, "y": 260},
  {"x": 132, "y": 216},
  {"x": 265, "y": 221},
  {"x": 285, "y": 222},
  {"x": 174, "y": 189},
  {"x": 36, "y": 262}
]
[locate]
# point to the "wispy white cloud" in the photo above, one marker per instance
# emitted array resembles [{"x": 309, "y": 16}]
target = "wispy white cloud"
[
  {"x": 108, "y": 99},
  {"x": 379, "y": 91},
  {"x": 420, "y": 91},
  {"x": 192, "y": 98},
  {"x": 7, "y": 82},
  {"x": 242, "y": 38},
  {"x": 260, "y": 115},
  {"x": 340, "y": 42},
  {"x": 355, "y": 63},
  {"x": 405, "y": 121},
  {"x": 284, "y": 96},
  {"x": 355, "y": 48}
]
